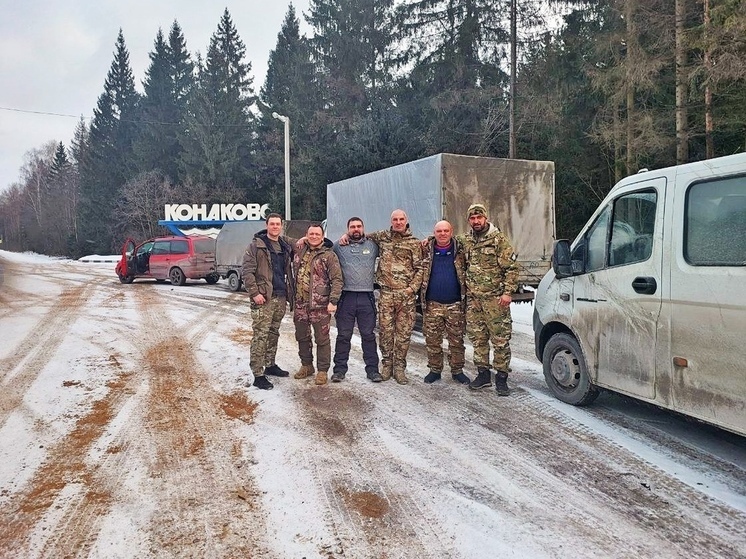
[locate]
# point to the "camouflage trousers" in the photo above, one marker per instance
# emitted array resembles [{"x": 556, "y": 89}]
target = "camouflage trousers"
[
  {"x": 318, "y": 321},
  {"x": 487, "y": 321},
  {"x": 447, "y": 320},
  {"x": 396, "y": 313},
  {"x": 265, "y": 322}
]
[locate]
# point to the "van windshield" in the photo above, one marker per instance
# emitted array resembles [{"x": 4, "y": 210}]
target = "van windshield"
[{"x": 203, "y": 246}]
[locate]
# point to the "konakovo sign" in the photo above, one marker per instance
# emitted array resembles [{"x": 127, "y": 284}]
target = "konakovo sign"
[{"x": 216, "y": 212}]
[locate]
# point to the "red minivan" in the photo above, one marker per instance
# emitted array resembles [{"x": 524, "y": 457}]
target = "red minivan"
[{"x": 169, "y": 258}]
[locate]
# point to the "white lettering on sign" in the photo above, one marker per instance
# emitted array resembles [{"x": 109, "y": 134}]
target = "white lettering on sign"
[{"x": 216, "y": 212}]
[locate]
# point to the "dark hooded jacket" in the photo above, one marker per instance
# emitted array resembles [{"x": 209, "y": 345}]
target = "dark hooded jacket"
[{"x": 257, "y": 271}]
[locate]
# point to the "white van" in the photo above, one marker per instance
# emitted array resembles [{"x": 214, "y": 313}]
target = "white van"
[{"x": 650, "y": 299}]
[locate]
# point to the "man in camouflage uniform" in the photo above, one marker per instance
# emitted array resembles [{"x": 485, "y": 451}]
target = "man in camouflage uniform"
[
  {"x": 317, "y": 290},
  {"x": 491, "y": 277},
  {"x": 442, "y": 298},
  {"x": 268, "y": 278},
  {"x": 400, "y": 276}
]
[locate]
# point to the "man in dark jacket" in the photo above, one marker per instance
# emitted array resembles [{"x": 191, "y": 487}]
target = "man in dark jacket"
[
  {"x": 318, "y": 286},
  {"x": 442, "y": 297},
  {"x": 268, "y": 277}
]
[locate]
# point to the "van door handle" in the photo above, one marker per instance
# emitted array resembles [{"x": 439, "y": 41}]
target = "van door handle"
[{"x": 645, "y": 285}]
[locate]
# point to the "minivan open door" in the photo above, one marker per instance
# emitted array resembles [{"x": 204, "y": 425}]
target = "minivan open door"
[{"x": 127, "y": 267}]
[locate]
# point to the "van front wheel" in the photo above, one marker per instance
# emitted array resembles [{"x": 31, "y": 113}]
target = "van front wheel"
[{"x": 565, "y": 371}]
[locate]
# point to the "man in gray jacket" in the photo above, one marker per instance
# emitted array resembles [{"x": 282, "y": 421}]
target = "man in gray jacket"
[{"x": 358, "y": 262}]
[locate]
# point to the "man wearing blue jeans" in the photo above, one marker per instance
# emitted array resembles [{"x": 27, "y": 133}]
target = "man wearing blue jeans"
[{"x": 358, "y": 262}]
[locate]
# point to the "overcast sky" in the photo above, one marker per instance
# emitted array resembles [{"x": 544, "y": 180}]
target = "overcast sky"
[{"x": 54, "y": 57}]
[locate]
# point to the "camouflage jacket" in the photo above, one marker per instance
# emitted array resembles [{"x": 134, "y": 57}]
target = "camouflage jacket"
[
  {"x": 256, "y": 271},
  {"x": 400, "y": 260},
  {"x": 491, "y": 267},
  {"x": 318, "y": 276},
  {"x": 427, "y": 266}
]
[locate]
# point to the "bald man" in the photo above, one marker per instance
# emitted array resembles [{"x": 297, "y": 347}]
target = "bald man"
[
  {"x": 400, "y": 276},
  {"x": 442, "y": 296}
]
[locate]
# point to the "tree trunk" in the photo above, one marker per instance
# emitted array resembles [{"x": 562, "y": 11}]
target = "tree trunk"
[
  {"x": 709, "y": 141},
  {"x": 513, "y": 61},
  {"x": 682, "y": 85},
  {"x": 630, "y": 89}
]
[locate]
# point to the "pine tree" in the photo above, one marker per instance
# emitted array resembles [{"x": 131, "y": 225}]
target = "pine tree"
[
  {"x": 219, "y": 126},
  {"x": 169, "y": 79},
  {"x": 353, "y": 46},
  {"x": 290, "y": 89},
  {"x": 456, "y": 49},
  {"x": 62, "y": 201},
  {"x": 110, "y": 160}
]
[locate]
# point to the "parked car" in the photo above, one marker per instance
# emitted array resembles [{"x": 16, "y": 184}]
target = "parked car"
[{"x": 169, "y": 258}]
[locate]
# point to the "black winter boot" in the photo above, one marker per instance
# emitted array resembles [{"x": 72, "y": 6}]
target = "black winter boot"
[
  {"x": 501, "y": 383},
  {"x": 262, "y": 383},
  {"x": 460, "y": 377},
  {"x": 275, "y": 371},
  {"x": 431, "y": 377},
  {"x": 483, "y": 380}
]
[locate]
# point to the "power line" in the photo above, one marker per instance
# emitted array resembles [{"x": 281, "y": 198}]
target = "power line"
[
  {"x": 127, "y": 120},
  {"x": 39, "y": 112}
]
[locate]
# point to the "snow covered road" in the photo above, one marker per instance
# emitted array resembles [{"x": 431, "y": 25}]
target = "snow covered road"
[{"x": 126, "y": 431}]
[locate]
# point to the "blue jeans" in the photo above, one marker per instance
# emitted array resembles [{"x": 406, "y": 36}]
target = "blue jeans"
[{"x": 352, "y": 306}]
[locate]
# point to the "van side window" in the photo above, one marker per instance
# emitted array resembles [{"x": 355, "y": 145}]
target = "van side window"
[
  {"x": 160, "y": 247},
  {"x": 596, "y": 242},
  {"x": 715, "y": 223},
  {"x": 179, "y": 247},
  {"x": 632, "y": 228}
]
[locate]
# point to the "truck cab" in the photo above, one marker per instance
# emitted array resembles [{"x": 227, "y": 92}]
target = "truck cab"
[{"x": 650, "y": 298}]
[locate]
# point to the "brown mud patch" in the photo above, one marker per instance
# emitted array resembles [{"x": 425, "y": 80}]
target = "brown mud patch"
[
  {"x": 365, "y": 503},
  {"x": 237, "y": 406}
]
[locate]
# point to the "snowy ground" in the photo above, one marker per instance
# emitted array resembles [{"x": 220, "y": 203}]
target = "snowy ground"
[{"x": 126, "y": 431}]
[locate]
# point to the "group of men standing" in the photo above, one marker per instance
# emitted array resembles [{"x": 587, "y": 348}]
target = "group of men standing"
[{"x": 465, "y": 285}]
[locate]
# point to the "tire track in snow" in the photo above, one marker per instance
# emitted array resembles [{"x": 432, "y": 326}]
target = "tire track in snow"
[
  {"x": 21, "y": 368},
  {"x": 196, "y": 466},
  {"x": 370, "y": 513},
  {"x": 562, "y": 466},
  {"x": 63, "y": 503}
]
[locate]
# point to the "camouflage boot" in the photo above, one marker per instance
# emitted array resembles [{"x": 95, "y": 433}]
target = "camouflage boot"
[
  {"x": 501, "y": 383},
  {"x": 386, "y": 372},
  {"x": 400, "y": 377},
  {"x": 320, "y": 378},
  {"x": 305, "y": 371}
]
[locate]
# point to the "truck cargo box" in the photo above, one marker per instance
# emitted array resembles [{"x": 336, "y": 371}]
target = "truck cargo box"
[{"x": 518, "y": 194}]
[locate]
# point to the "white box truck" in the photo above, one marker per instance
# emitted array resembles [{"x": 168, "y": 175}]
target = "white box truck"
[
  {"x": 235, "y": 236},
  {"x": 650, "y": 298},
  {"x": 518, "y": 195}
]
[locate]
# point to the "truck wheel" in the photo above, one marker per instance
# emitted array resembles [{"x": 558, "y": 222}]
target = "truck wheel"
[
  {"x": 177, "y": 277},
  {"x": 234, "y": 282},
  {"x": 565, "y": 371},
  {"x": 212, "y": 278},
  {"x": 126, "y": 279}
]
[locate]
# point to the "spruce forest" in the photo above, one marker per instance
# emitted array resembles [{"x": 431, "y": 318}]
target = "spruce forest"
[{"x": 601, "y": 88}]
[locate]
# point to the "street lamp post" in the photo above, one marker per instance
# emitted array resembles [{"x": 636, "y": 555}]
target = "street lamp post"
[{"x": 286, "y": 121}]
